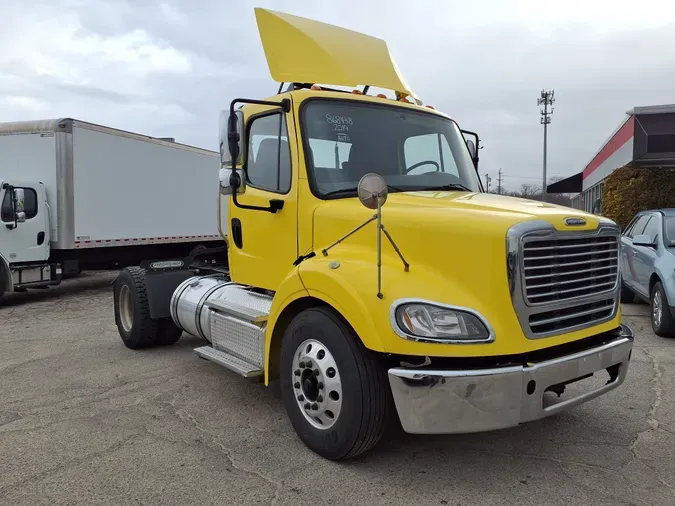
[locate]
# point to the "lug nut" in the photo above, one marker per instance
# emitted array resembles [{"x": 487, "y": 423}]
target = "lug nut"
[
  {"x": 307, "y": 406},
  {"x": 319, "y": 398},
  {"x": 316, "y": 372},
  {"x": 308, "y": 363},
  {"x": 297, "y": 372},
  {"x": 301, "y": 398},
  {"x": 296, "y": 384},
  {"x": 302, "y": 365},
  {"x": 315, "y": 406},
  {"x": 320, "y": 385}
]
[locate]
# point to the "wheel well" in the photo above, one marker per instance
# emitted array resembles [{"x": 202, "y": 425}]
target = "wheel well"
[
  {"x": 288, "y": 313},
  {"x": 652, "y": 281}
]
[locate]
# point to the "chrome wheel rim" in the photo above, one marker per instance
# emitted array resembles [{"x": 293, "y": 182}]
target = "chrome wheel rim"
[
  {"x": 126, "y": 308},
  {"x": 657, "y": 308},
  {"x": 316, "y": 384}
]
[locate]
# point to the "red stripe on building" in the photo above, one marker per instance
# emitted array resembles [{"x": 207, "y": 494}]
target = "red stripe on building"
[{"x": 623, "y": 135}]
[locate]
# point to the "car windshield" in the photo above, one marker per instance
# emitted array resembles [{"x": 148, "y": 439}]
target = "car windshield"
[
  {"x": 669, "y": 226},
  {"x": 411, "y": 150}
]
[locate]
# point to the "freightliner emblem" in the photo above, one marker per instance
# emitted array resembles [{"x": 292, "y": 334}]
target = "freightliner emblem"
[{"x": 575, "y": 222}]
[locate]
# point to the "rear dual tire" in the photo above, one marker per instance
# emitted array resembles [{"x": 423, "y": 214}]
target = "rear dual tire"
[
  {"x": 335, "y": 391},
  {"x": 132, "y": 313}
]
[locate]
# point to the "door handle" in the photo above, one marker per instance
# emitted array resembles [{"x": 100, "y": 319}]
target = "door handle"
[{"x": 237, "y": 236}]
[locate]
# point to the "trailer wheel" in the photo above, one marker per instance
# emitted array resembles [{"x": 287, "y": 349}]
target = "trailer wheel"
[
  {"x": 335, "y": 391},
  {"x": 132, "y": 314}
]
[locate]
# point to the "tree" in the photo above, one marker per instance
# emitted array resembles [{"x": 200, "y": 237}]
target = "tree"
[
  {"x": 628, "y": 190},
  {"x": 533, "y": 192}
]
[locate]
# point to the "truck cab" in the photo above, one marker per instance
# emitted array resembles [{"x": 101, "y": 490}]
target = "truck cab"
[
  {"x": 24, "y": 236},
  {"x": 369, "y": 272}
]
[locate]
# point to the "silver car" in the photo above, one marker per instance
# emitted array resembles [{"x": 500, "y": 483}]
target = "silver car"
[{"x": 648, "y": 266}]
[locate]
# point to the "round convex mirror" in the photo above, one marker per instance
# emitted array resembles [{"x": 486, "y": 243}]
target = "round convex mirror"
[
  {"x": 371, "y": 187},
  {"x": 472, "y": 148}
]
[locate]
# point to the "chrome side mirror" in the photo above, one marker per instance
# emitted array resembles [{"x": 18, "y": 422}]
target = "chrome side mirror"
[
  {"x": 231, "y": 139},
  {"x": 472, "y": 148},
  {"x": 225, "y": 176}
]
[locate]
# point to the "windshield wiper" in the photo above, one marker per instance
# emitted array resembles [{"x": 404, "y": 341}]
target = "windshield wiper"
[
  {"x": 341, "y": 191},
  {"x": 354, "y": 189},
  {"x": 444, "y": 187}
]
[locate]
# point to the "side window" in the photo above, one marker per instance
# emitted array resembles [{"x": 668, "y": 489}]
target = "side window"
[
  {"x": 30, "y": 205},
  {"x": 629, "y": 229},
  {"x": 652, "y": 228},
  {"x": 431, "y": 148},
  {"x": 639, "y": 226},
  {"x": 268, "y": 162},
  {"x": 6, "y": 214}
]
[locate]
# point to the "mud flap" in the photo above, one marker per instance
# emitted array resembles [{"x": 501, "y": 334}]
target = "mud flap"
[{"x": 162, "y": 277}]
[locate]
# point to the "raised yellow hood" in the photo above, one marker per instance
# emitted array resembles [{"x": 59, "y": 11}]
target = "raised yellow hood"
[{"x": 302, "y": 50}]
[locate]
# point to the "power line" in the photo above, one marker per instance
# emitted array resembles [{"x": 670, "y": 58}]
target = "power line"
[
  {"x": 545, "y": 99},
  {"x": 528, "y": 177}
]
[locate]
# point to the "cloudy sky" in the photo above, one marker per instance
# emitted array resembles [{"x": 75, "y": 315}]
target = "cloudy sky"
[{"x": 165, "y": 68}]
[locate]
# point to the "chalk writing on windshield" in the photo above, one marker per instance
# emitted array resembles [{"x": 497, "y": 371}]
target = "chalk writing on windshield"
[{"x": 340, "y": 123}]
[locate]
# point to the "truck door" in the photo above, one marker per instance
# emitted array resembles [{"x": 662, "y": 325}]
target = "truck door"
[
  {"x": 26, "y": 241},
  {"x": 263, "y": 245}
]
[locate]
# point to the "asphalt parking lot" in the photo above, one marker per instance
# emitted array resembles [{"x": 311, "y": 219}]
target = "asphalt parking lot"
[{"x": 84, "y": 420}]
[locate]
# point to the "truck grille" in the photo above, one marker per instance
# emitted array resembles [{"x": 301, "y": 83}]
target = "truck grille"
[
  {"x": 559, "y": 270},
  {"x": 562, "y": 281},
  {"x": 562, "y": 319}
]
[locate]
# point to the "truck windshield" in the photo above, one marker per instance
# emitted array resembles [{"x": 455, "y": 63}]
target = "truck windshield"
[{"x": 411, "y": 150}]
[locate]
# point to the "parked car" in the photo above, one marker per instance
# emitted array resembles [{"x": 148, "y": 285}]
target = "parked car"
[{"x": 648, "y": 266}]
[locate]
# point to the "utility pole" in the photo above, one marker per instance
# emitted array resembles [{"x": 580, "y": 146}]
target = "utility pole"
[
  {"x": 499, "y": 182},
  {"x": 546, "y": 99},
  {"x": 487, "y": 182}
]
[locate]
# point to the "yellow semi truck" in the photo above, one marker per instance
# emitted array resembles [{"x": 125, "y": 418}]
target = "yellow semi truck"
[{"x": 367, "y": 270}]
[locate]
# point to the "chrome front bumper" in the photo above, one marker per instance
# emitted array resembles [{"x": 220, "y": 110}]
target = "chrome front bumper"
[{"x": 461, "y": 401}]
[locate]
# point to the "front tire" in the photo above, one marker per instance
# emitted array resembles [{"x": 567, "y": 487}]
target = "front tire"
[
  {"x": 335, "y": 391},
  {"x": 663, "y": 322}
]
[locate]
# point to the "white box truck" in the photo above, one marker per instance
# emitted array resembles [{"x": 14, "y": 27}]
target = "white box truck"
[{"x": 77, "y": 196}]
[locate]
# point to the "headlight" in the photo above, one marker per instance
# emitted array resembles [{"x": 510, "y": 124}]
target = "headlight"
[{"x": 426, "y": 321}]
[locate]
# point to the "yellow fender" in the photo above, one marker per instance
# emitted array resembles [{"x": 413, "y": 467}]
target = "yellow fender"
[{"x": 313, "y": 279}]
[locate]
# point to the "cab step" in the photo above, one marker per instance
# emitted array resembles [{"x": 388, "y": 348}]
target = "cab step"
[{"x": 231, "y": 362}]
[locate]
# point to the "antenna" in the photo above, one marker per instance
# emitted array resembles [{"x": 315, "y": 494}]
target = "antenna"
[{"x": 372, "y": 192}]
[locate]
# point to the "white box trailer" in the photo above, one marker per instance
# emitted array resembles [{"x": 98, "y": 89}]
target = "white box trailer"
[{"x": 75, "y": 195}]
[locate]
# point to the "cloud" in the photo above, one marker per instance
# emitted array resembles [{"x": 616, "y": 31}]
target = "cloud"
[{"x": 166, "y": 68}]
